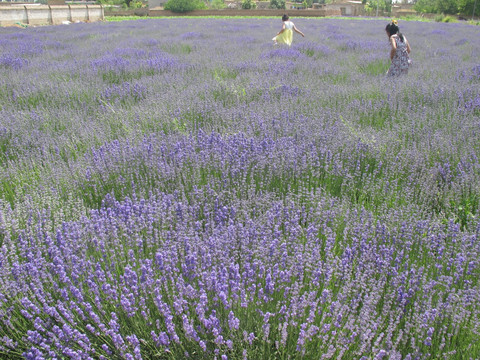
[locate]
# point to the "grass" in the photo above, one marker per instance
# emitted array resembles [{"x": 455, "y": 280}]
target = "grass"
[
  {"x": 123, "y": 18},
  {"x": 374, "y": 68},
  {"x": 403, "y": 18}
]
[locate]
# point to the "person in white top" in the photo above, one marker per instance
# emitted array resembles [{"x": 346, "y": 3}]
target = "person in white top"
[{"x": 285, "y": 35}]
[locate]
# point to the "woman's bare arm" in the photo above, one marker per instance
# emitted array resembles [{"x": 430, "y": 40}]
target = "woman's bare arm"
[
  {"x": 394, "y": 47},
  {"x": 298, "y": 31},
  {"x": 408, "y": 45}
]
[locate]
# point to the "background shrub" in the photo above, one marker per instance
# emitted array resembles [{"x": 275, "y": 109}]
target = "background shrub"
[
  {"x": 181, "y": 6},
  {"x": 248, "y": 4},
  {"x": 277, "y": 4},
  {"x": 218, "y": 4}
]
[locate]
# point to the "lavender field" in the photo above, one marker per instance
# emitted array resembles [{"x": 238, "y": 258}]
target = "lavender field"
[{"x": 181, "y": 188}]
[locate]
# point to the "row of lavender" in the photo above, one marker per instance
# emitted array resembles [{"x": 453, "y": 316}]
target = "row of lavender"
[{"x": 182, "y": 188}]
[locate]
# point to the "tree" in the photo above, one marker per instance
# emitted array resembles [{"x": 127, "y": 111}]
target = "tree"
[
  {"x": 181, "y": 6},
  {"x": 248, "y": 4},
  {"x": 439, "y": 6},
  {"x": 425, "y": 6},
  {"x": 218, "y": 4},
  {"x": 382, "y": 5},
  {"x": 277, "y": 4},
  {"x": 447, "y": 6},
  {"x": 466, "y": 7}
]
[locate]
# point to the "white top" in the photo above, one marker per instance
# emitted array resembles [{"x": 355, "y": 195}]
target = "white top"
[{"x": 288, "y": 25}]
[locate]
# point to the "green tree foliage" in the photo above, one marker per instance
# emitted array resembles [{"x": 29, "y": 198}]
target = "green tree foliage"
[
  {"x": 447, "y": 6},
  {"x": 383, "y": 6},
  {"x": 125, "y": 4},
  {"x": 249, "y": 4},
  {"x": 466, "y": 7},
  {"x": 277, "y": 4},
  {"x": 181, "y": 6},
  {"x": 218, "y": 4},
  {"x": 451, "y": 7},
  {"x": 426, "y": 6}
]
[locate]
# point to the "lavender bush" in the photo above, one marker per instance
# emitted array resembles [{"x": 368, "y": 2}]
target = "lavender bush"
[{"x": 175, "y": 188}]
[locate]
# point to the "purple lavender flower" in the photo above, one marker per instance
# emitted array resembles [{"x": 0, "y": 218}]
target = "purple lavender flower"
[{"x": 156, "y": 200}]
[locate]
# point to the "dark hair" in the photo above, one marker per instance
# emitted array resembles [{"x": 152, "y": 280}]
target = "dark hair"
[
  {"x": 285, "y": 17},
  {"x": 393, "y": 29}
]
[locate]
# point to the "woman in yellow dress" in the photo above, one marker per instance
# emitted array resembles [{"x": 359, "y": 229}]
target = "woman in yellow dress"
[{"x": 285, "y": 35}]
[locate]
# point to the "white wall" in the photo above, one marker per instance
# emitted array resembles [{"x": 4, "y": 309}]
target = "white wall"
[{"x": 49, "y": 14}]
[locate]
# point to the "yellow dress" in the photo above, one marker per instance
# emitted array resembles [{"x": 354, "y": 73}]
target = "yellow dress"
[{"x": 286, "y": 36}]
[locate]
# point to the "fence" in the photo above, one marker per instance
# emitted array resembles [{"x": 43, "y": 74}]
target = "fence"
[{"x": 49, "y": 14}]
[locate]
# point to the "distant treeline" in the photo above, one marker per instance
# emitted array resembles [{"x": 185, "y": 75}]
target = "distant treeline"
[{"x": 448, "y": 7}]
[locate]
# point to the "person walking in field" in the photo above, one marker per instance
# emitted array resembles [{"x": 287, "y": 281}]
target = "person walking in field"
[
  {"x": 400, "y": 50},
  {"x": 285, "y": 35}
]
